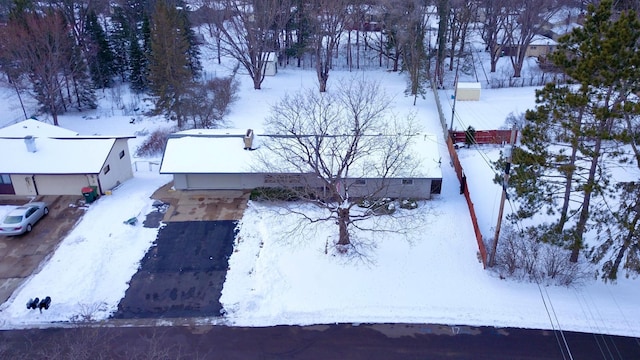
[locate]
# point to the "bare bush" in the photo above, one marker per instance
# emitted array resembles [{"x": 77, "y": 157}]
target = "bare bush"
[
  {"x": 154, "y": 145},
  {"x": 87, "y": 312},
  {"x": 206, "y": 105},
  {"x": 522, "y": 256}
]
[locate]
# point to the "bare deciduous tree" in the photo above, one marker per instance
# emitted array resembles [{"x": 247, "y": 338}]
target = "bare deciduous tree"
[
  {"x": 328, "y": 18},
  {"x": 463, "y": 13},
  {"x": 39, "y": 47},
  {"x": 339, "y": 138},
  {"x": 249, "y": 32},
  {"x": 526, "y": 20},
  {"x": 495, "y": 15}
]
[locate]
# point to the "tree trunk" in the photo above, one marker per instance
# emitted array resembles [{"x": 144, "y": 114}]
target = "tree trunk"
[
  {"x": 396, "y": 61},
  {"x": 613, "y": 273},
  {"x": 257, "y": 80},
  {"x": 584, "y": 212},
  {"x": 349, "y": 57},
  {"x": 343, "y": 222},
  {"x": 322, "y": 79},
  {"x": 358, "y": 49},
  {"x": 495, "y": 56},
  {"x": 567, "y": 191},
  {"x": 443, "y": 13}
]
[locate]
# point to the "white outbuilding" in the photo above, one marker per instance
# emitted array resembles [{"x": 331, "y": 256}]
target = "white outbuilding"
[{"x": 468, "y": 91}]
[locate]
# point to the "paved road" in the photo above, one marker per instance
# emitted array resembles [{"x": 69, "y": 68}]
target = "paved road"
[{"x": 399, "y": 341}]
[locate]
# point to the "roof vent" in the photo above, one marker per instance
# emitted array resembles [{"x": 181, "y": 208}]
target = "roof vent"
[
  {"x": 248, "y": 139},
  {"x": 30, "y": 141}
]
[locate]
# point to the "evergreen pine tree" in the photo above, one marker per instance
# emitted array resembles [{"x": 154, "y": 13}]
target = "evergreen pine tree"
[
  {"x": 170, "y": 76},
  {"x": 194, "y": 50},
  {"x": 100, "y": 56},
  {"x": 80, "y": 89},
  {"x": 138, "y": 62},
  {"x": 574, "y": 129},
  {"x": 119, "y": 37}
]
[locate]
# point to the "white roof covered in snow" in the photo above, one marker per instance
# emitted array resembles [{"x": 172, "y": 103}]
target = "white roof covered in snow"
[
  {"x": 469, "y": 85},
  {"x": 35, "y": 128},
  {"x": 220, "y": 151},
  {"x": 543, "y": 40},
  {"x": 55, "y": 156},
  {"x": 58, "y": 150}
]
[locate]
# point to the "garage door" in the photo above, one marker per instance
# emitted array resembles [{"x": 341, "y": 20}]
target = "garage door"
[{"x": 60, "y": 184}]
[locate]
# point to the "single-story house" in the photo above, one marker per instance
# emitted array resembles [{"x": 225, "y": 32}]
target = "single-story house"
[
  {"x": 539, "y": 46},
  {"x": 43, "y": 159},
  {"x": 230, "y": 160}
]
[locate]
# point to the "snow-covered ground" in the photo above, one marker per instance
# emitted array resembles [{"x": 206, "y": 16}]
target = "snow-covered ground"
[{"x": 275, "y": 278}]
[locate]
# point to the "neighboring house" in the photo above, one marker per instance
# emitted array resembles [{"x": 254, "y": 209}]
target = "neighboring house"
[
  {"x": 219, "y": 159},
  {"x": 540, "y": 46},
  {"x": 43, "y": 159}
]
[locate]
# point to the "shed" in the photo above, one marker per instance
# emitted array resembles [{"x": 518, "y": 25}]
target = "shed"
[
  {"x": 271, "y": 64},
  {"x": 466, "y": 91},
  {"x": 57, "y": 161},
  {"x": 228, "y": 160}
]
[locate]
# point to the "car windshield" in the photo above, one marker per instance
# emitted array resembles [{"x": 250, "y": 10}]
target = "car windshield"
[{"x": 12, "y": 219}]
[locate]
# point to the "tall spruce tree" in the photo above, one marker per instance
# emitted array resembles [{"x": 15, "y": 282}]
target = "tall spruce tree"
[
  {"x": 170, "y": 71},
  {"x": 100, "y": 56}
]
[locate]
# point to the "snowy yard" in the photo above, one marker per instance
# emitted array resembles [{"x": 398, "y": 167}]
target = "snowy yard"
[{"x": 274, "y": 278}]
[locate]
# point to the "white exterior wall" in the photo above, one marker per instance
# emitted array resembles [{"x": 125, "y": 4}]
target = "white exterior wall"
[
  {"x": 271, "y": 65},
  {"x": 468, "y": 91},
  {"x": 119, "y": 168},
  {"x": 23, "y": 184}
]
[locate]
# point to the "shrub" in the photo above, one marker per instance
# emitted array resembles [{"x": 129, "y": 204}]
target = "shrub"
[
  {"x": 522, "y": 256},
  {"x": 273, "y": 194},
  {"x": 154, "y": 145},
  {"x": 409, "y": 204},
  {"x": 384, "y": 206}
]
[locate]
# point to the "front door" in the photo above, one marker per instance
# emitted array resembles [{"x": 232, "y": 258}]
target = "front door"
[{"x": 6, "y": 187}]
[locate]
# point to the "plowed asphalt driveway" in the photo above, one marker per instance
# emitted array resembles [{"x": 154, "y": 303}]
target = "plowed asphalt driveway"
[{"x": 183, "y": 273}]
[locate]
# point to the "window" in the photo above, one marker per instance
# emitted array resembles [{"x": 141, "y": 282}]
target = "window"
[
  {"x": 106, "y": 169},
  {"x": 121, "y": 154},
  {"x": 5, "y": 179},
  {"x": 282, "y": 179},
  {"x": 360, "y": 182},
  {"x": 407, "y": 181}
]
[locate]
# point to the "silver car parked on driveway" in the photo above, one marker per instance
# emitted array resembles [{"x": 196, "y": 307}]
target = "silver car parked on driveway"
[{"x": 21, "y": 219}]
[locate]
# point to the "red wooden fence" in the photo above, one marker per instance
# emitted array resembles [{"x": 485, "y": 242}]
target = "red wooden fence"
[
  {"x": 472, "y": 212},
  {"x": 484, "y": 136}
]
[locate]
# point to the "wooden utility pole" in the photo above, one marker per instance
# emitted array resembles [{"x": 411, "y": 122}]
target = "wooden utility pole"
[
  {"x": 505, "y": 183},
  {"x": 455, "y": 98}
]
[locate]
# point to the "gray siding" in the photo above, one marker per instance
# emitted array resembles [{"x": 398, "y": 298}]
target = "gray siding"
[{"x": 395, "y": 188}]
